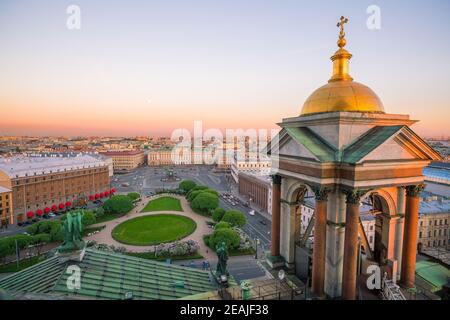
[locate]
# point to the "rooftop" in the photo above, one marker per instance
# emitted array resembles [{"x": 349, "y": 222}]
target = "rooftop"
[
  {"x": 30, "y": 166},
  {"x": 109, "y": 276},
  {"x": 3, "y": 189},
  {"x": 122, "y": 153},
  {"x": 435, "y": 206}
]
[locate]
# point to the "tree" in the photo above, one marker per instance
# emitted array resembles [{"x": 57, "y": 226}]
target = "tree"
[
  {"x": 222, "y": 225},
  {"x": 197, "y": 188},
  {"x": 40, "y": 240},
  {"x": 99, "y": 212},
  {"x": 235, "y": 218},
  {"x": 193, "y": 194},
  {"x": 88, "y": 218},
  {"x": 120, "y": 204},
  {"x": 187, "y": 185},
  {"x": 56, "y": 232},
  {"x": 205, "y": 203},
  {"x": 218, "y": 214},
  {"x": 227, "y": 235},
  {"x": 5, "y": 249},
  {"x": 133, "y": 196}
]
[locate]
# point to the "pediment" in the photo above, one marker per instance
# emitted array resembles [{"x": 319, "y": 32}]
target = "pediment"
[{"x": 397, "y": 143}]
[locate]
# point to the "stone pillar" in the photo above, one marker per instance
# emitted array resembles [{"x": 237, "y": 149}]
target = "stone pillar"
[
  {"x": 276, "y": 204},
  {"x": 351, "y": 245},
  {"x": 319, "y": 250},
  {"x": 410, "y": 235},
  {"x": 399, "y": 228}
]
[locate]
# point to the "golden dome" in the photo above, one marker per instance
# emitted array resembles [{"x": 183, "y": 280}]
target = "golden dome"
[{"x": 342, "y": 93}]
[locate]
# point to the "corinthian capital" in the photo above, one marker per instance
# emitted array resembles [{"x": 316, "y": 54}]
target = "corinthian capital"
[
  {"x": 321, "y": 193},
  {"x": 276, "y": 179},
  {"x": 354, "y": 195},
  {"x": 414, "y": 191}
]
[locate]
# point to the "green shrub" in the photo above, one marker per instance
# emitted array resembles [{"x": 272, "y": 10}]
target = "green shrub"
[
  {"x": 205, "y": 203},
  {"x": 133, "y": 196},
  {"x": 42, "y": 238},
  {"x": 119, "y": 204},
  {"x": 218, "y": 214},
  {"x": 187, "y": 185},
  {"x": 88, "y": 218},
  {"x": 235, "y": 218},
  {"x": 99, "y": 212},
  {"x": 227, "y": 235},
  {"x": 56, "y": 233},
  {"x": 40, "y": 227},
  {"x": 222, "y": 225},
  {"x": 191, "y": 196}
]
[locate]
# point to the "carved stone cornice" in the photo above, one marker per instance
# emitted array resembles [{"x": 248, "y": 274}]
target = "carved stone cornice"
[{"x": 414, "y": 191}]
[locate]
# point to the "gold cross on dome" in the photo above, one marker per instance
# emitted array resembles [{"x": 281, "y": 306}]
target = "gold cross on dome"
[{"x": 340, "y": 25}]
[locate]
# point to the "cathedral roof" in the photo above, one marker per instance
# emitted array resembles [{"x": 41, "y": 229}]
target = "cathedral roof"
[{"x": 109, "y": 276}]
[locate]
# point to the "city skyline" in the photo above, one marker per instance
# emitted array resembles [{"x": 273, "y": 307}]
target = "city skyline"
[{"x": 149, "y": 68}]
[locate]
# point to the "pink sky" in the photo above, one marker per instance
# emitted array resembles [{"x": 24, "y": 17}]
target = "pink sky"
[{"x": 144, "y": 68}]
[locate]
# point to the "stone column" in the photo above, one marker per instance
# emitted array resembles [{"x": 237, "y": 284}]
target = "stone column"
[
  {"x": 319, "y": 250},
  {"x": 399, "y": 229},
  {"x": 351, "y": 245},
  {"x": 410, "y": 235},
  {"x": 276, "y": 203}
]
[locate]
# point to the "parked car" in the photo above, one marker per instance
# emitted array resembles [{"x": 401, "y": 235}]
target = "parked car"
[
  {"x": 263, "y": 222},
  {"x": 52, "y": 215},
  {"x": 252, "y": 212}
]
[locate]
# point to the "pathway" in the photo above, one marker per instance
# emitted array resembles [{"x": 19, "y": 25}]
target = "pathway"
[{"x": 104, "y": 236}]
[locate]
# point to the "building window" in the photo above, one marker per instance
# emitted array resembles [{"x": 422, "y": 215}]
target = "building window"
[{"x": 420, "y": 234}]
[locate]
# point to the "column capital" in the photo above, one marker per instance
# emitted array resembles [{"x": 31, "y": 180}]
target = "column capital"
[
  {"x": 414, "y": 191},
  {"x": 353, "y": 196},
  {"x": 276, "y": 179},
  {"x": 321, "y": 192}
]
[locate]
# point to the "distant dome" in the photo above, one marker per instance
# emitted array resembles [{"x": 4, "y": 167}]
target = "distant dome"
[{"x": 343, "y": 95}]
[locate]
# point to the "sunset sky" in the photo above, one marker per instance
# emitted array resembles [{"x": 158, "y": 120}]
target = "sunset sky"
[{"x": 148, "y": 67}]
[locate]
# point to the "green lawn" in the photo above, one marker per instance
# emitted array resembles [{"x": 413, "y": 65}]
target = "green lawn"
[
  {"x": 155, "y": 229},
  {"x": 163, "y": 204}
]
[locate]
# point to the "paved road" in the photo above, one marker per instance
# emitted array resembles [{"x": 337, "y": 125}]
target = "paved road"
[{"x": 241, "y": 268}]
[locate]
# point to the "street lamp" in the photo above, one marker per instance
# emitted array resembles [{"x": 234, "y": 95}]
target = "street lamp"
[{"x": 256, "y": 247}]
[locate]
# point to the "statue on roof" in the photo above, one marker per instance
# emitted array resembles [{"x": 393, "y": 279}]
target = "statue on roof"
[{"x": 72, "y": 229}]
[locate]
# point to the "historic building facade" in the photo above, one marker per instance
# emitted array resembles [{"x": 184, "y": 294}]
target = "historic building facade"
[
  {"x": 125, "y": 161},
  {"x": 37, "y": 183},
  {"x": 257, "y": 189},
  {"x": 344, "y": 148},
  {"x": 6, "y": 208}
]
